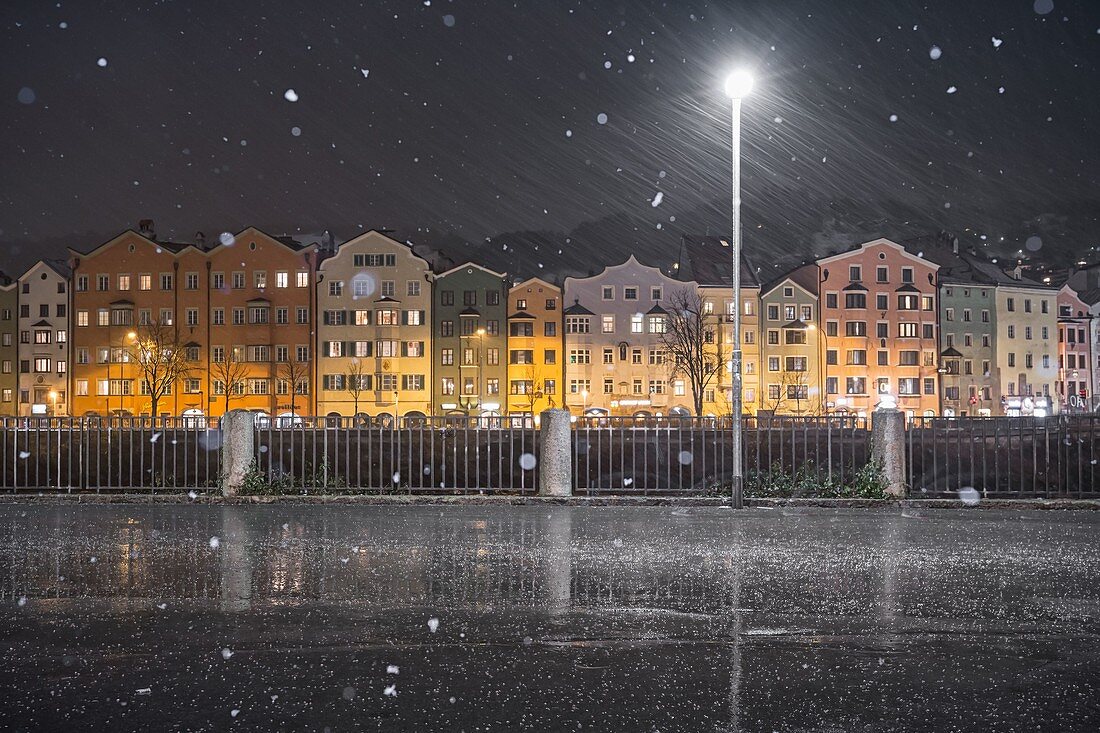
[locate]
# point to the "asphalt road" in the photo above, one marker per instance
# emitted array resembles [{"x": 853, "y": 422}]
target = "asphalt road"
[{"x": 130, "y": 617}]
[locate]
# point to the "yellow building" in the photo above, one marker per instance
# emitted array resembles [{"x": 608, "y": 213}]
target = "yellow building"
[{"x": 534, "y": 347}]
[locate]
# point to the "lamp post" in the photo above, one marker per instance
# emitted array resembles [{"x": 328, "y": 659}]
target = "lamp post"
[{"x": 738, "y": 85}]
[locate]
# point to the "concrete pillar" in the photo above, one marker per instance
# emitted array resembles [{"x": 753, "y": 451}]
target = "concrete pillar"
[
  {"x": 888, "y": 448},
  {"x": 238, "y": 447},
  {"x": 555, "y": 461}
]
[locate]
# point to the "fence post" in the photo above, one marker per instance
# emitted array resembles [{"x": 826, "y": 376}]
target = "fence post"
[
  {"x": 555, "y": 446},
  {"x": 238, "y": 446},
  {"x": 888, "y": 448}
]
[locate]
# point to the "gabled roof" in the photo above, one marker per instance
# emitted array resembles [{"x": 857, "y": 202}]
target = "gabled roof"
[
  {"x": 855, "y": 286},
  {"x": 907, "y": 288},
  {"x": 708, "y": 261},
  {"x": 656, "y": 310},
  {"x": 60, "y": 267},
  {"x": 538, "y": 280},
  {"x": 875, "y": 243},
  {"x": 473, "y": 265},
  {"x": 173, "y": 247},
  {"x": 521, "y": 316},
  {"x": 577, "y": 309},
  {"x": 951, "y": 353},
  {"x": 804, "y": 276},
  {"x": 258, "y": 299},
  {"x": 796, "y": 325},
  {"x": 387, "y": 299},
  {"x": 470, "y": 312},
  {"x": 43, "y": 322}
]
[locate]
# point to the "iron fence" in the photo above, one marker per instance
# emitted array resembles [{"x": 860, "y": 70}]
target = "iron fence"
[
  {"x": 408, "y": 455},
  {"x": 670, "y": 455},
  {"x": 109, "y": 454},
  {"x": 1005, "y": 457}
]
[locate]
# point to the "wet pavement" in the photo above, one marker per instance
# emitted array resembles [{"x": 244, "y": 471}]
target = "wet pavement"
[{"x": 130, "y": 617}]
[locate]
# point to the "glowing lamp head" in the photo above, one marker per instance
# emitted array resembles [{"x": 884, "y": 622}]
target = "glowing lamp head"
[{"x": 738, "y": 84}]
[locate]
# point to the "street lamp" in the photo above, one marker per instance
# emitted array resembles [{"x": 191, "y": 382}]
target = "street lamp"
[{"x": 738, "y": 85}]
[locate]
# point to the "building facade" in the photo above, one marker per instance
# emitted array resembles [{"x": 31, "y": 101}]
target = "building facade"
[
  {"x": 44, "y": 339},
  {"x": 124, "y": 290},
  {"x": 535, "y": 343},
  {"x": 1027, "y": 347},
  {"x": 708, "y": 262},
  {"x": 616, "y": 363},
  {"x": 968, "y": 322},
  {"x": 262, "y": 296},
  {"x": 374, "y": 338},
  {"x": 9, "y": 349},
  {"x": 470, "y": 341},
  {"x": 1075, "y": 353},
  {"x": 879, "y": 315},
  {"x": 791, "y": 374}
]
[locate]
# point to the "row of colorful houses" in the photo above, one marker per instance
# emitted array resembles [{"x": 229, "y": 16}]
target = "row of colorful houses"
[{"x": 139, "y": 326}]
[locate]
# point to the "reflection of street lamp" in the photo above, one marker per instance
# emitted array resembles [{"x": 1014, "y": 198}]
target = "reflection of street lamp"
[
  {"x": 130, "y": 336},
  {"x": 738, "y": 85},
  {"x": 53, "y": 401},
  {"x": 584, "y": 402}
]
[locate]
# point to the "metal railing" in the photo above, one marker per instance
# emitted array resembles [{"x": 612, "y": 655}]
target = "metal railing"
[
  {"x": 109, "y": 454},
  {"x": 1005, "y": 457},
  {"x": 670, "y": 455},
  {"x": 410, "y": 455}
]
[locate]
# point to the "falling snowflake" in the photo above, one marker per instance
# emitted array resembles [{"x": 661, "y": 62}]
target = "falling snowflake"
[
  {"x": 952, "y": 89},
  {"x": 996, "y": 42},
  {"x": 433, "y": 624},
  {"x": 893, "y": 118},
  {"x": 290, "y": 95},
  {"x": 215, "y": 543},
  {"x": 935, "y": 52},
  {"x": 101, "y": 62},
  {"x": 601, "y": 118},
  {"x": 657, "y": 199}
]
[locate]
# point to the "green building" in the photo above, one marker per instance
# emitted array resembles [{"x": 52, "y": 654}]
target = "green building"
[{"x": 469, "y": 319}]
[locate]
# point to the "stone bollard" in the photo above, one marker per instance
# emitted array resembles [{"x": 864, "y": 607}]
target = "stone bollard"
[
  {"x": 555, "y": 463},
  {"x": 238, "y": 446},
  {"x": 888, "y": 448}
]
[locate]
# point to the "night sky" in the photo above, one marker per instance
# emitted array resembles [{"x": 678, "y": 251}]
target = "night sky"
[{"x": 591, "y": 127}]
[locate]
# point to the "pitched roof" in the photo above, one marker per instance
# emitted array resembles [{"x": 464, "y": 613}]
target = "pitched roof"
[
  {"x": 577, "y": 310},
  {"x": 656, "y": 310},
  {"x": 708, "y": 261},
  {"x": 805, "y": 276},
  {"x": 521, "y": 316}
]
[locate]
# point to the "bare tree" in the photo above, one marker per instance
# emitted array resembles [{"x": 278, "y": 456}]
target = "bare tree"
[
  {"x": 691, "y": 344},
  {"x": 353, "y": 382},
  {"x": 295, "y": 373},
  {"x": 793, "y": 388},
  {"x": 162, "y": 359},
  {"x": 231, "y": 371}
]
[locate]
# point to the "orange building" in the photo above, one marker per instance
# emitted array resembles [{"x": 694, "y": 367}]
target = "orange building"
[
  {"x": 262, "y": 295},
  {"x": 878, "y": 311},
  {"x": 120, "y": 289},
  {"x": 242, "y": 310}
]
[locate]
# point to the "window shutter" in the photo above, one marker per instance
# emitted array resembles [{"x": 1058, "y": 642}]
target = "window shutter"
[
  {"x": 404, "y": 318},
  {"x": 422, "y": 321},
  {"x": 404, "y": 348}
]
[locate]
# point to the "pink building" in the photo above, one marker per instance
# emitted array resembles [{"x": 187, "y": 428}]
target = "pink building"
[
  {"x": 878, "y": 312},
  {"x": 1074, "y": 352}
]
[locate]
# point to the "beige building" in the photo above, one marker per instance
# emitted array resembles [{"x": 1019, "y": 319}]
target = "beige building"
[
  {"x": 1027, "y": 347},
  {"x": 615, "y": 361},
  {"x": 44, "y": 339},
  {"x": 374, "y": 341},
  {"x": 793, "y": 380}
]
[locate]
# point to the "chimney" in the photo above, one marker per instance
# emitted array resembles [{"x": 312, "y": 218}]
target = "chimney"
[
  {"x": 146, "y": 229},
  {"x": 200, "y": 240}
]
